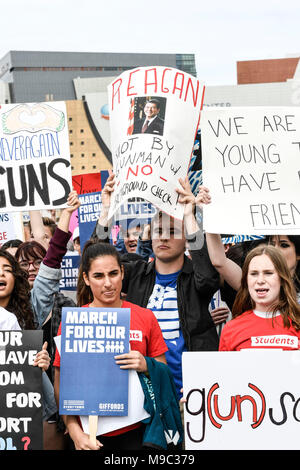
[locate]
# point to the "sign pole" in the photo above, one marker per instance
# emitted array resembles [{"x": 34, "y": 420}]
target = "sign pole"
[{"x": 93, "y": 424}]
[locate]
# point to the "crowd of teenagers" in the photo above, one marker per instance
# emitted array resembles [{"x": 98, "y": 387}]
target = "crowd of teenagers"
[{"x": 167, "y": 273}]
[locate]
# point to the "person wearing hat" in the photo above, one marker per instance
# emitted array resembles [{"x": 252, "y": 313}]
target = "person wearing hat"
[{"x": 76, "y": 240}]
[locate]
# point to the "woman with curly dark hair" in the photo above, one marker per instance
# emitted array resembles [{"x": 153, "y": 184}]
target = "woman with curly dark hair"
[
  {"x": 15, "y": 290},
  {"x": 43, "y": 270}
]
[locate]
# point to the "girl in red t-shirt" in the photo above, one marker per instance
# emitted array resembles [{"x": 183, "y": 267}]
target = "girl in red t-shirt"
[
  {"x": 265, "y": 312},
  {"x": 99, "y": 285}
]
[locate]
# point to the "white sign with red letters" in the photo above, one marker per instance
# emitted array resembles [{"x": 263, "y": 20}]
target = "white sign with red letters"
[
  {"x": 154, "y": 116},
  {"x": 242, "y": 400},
  {"x": 11, "y": 227}
]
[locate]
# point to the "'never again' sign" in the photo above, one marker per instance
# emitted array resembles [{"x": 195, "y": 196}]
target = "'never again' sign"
[{"x": 35, "y": 171}]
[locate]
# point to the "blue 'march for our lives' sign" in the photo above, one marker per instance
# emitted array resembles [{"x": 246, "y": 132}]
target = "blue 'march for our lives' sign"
[{"x": 91, "y": 383}]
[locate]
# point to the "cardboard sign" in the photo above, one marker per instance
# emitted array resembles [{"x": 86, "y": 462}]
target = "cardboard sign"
[
  {"x": 91, "y": 383},
  {"x": 149, "y": 157},
  {"x": 251, "y": 164},
  {"x": 20, "y": 391},
  {"x": 88, "y": 214},
  {"x": 35, "y": 170},
  {"x": 89, "y": 189},
  {"x": 136, "y": 411},
  {"x": 89, "y": 183},
  {"x": 246, "y": 400},
  {"x": 69, "y": 268},
  {"x": 135, "y": 209},
  {"x": 129, "y": 214},
  {"x": 11, "y": 227}
]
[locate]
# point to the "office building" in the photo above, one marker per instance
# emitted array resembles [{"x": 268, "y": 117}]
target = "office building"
[{"x": 32, "y": 76}]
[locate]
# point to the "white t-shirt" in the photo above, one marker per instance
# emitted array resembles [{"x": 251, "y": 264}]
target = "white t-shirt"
[{"x": 8, "y": 321}]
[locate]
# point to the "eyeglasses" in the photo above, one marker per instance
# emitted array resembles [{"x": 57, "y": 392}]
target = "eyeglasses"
[{"x": 26, "y": 264}]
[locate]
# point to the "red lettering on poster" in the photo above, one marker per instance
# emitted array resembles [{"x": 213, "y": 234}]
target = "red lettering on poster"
[
  {"x": 150, "y": 83},
  {"x": 116, "y": 92}
]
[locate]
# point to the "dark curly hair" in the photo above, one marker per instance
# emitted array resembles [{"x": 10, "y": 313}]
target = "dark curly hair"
[{"x": 19, "y": 302}]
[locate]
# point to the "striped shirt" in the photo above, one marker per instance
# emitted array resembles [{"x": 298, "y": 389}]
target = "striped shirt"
[{"x": 163, "y": 303}]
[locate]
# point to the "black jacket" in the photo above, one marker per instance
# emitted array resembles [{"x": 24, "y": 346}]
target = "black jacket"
[
  {"x": 196, "y": 284},
  {"x": 155, "y": 127}
]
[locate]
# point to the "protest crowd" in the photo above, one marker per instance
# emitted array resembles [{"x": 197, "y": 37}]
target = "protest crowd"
[
  {"x": 167, "y": 273},
  {"x": 187, "y": 290}
]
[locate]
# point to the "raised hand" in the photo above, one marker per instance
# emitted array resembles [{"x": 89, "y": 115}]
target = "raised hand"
[
  {"x": 203, "y": 196},
  {"x": 108, "y": 190}
]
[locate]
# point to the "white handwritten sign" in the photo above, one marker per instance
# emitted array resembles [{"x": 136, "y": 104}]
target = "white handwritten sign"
[
  {"x": 251, "y": 164},
  {"x": 11, "y": 227},
  {"x": 154, "y": 117},
  {"x": 241, "y": 400},
  {"x": 20, "y": 391},
  {"x": 35, "y": 171}
]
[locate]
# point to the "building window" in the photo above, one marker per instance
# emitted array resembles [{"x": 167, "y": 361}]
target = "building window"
[
  {"x": 71, "y": 155},
  {"x": 70, "y": 131},
  {"x": 93, "y": 154},
  {"x": 72, "y": 168},
  {"x": 82, "y": 154},
  {"x": 83, "y": 167},
  {"x": 94, "y": 167},
  {"x": 81, "y": 130},
  {"x": 71, "y": 143},
  {"x": 70, "y": 119},
  {"x": 82, "y": 142}
]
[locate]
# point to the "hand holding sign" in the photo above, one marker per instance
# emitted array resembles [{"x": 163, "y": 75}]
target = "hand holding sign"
[
  {"x": 106, "y": 196},
  {"x": 132, "y": 360},
  {"x": 73, "y": 204},
  {"x": 186, "y": 196},
  {"x": 42, "y": 359},
  {"x": 108, "y": 189},
  {"x": 220, "y": 315},
  {"x": 188, "y": 201},
  {"x": 82, "y": 441},
  {"x": 203, "y": 196}
]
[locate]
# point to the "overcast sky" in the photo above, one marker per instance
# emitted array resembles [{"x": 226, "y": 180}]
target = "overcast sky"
[{"x": 219, "y": 33}]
